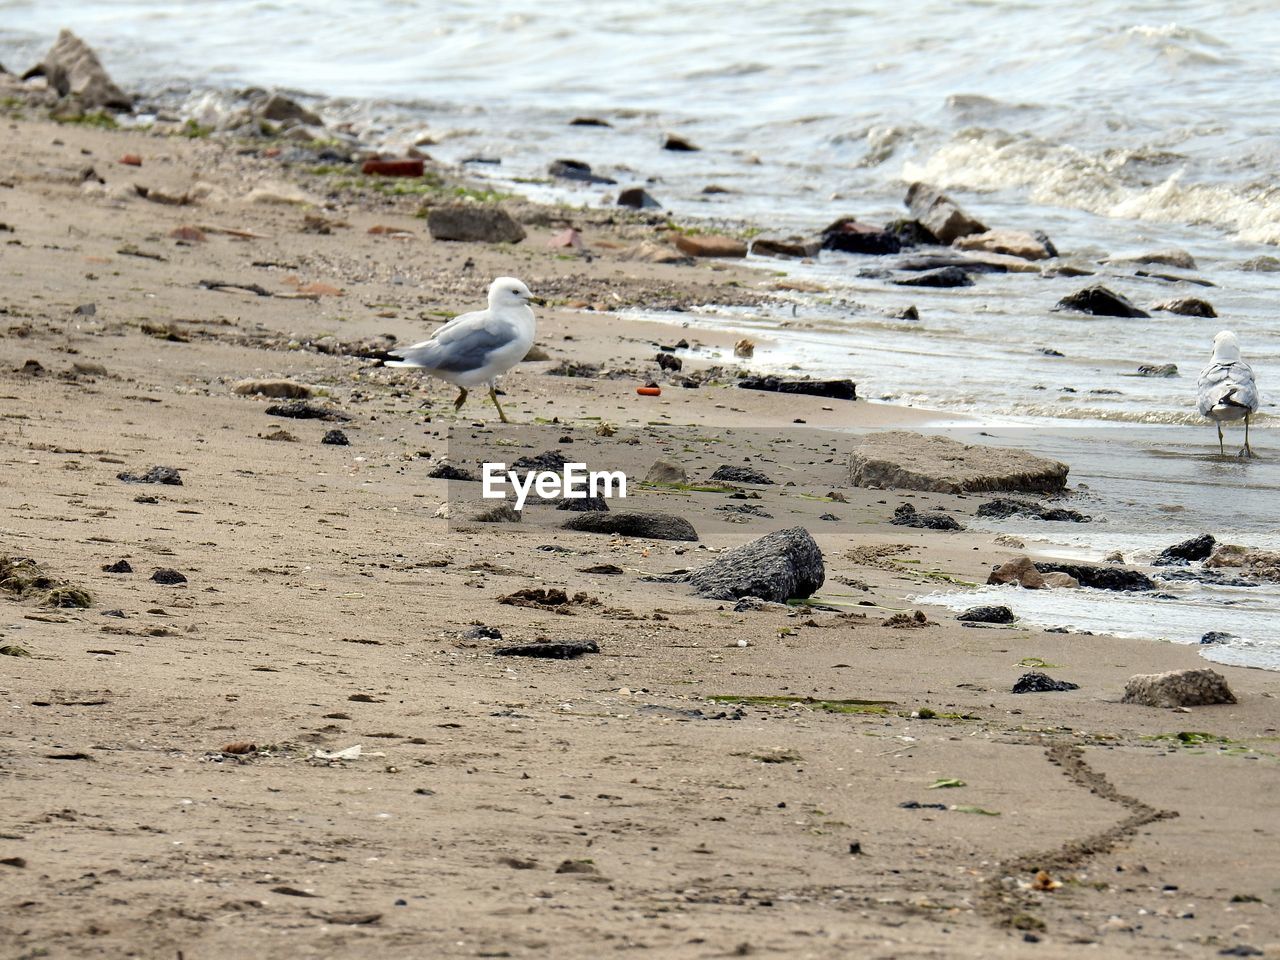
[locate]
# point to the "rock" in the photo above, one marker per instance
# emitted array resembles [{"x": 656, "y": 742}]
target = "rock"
[
  {"x": 906, "y": 516},
  {"x": 576, "y": 170},
  {"x": 730, "y": 474},
  {"x": 1013, "y": 243},
  {"x": 744, "y": 349},
  {"x": 73, "y": 69},
  {"x": 281, "y": 109},
  {"x": 780, "y": 566},
  {"x": 679, "y": 144},
  {"x": 280, "y": 389},
  {"x": 1178, "y": 688},
  {"x": 1162, "y": 370},
  {"x": 664, "y": 471},
  {"x": 1099, "y": 577},
  {"x": 654, "y": 526},
  {"x": 847, "y": 235},
  {"x": 1021, "y": 571},
  {"x": 1215, "y": 636},
  {"x": 1197, "y": 548},
  {"x": 1042, "y": 683},
  {"x": 168, "y": 577},
  {"x": 1263, "y": 264},
  {"x": 912, "y": 461},
  {"x": 470, "y": 223},
  {"x": 557, "y": 651},
  {"x": 669, "y": 361},
  {"x": 281, "y": 435},
  {"x": 755, "y": 604},
  {"x": 952, "y": 276},
  {"x": 907, "y": 313},
  {"x": 1187, "y": 307},
  {"x": 335, "y": 438},
  {"x": 304, "y": 410},
  {"x": 1264, "y": 564},
  {"x": 710, "y": 245},
  {"x": 589, "y": 122},
  {"x": 584, "y": 504},
  {"x": 940, "y": 215},
  {"x": 536, "y": 354},
  {"x": 793, "y": 246},
  {"x": 992, "y": 614},
  {"x": 167, "y": 475},
  {"x": 1060, "y": 581},
  {"x": 938, "y": 261},
  {"x": 282, "y": 194},
  {"x": 637, "y": 198},
  {"x": 1100, "y": 302},
  {"x": 407, "y": 167},
  {"x": 907, "y": 621},
  {"x": 120, "y": 566},
  {"x": 447, "y": 471},
  {"x": 1172, "y": 257},
  {"x": 486, "y": 511},
  {"x": 1002, "y": 507},
  {"x": 833, "y": 389},
  {"x": 651, "y": 252}
]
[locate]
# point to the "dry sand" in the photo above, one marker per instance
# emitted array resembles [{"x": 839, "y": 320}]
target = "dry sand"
[{"x": 325, "y": 606}]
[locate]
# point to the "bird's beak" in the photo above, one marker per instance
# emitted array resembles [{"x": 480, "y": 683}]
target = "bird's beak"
[{"x": 538, "y": 300}]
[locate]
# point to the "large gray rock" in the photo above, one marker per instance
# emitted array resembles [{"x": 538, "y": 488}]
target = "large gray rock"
[
  {"x": 655, "y": 526},
  {"x": 281, "y": 109},
  {"x": 73, "y": 69},
  {"x": 780, "y": 566},
  {"x": 473, "y": 224},
  {"x": 900, "y": 460},
  {"x": 941, "y": 215},
  {"x": 1178, "y": 688}
]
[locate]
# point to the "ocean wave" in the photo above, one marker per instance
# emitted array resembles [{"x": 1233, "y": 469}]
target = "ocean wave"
[{"x": 1100, "y": 182}]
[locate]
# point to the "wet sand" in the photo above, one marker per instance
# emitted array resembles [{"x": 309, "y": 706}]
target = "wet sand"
[{"x": 506, "y": 806}]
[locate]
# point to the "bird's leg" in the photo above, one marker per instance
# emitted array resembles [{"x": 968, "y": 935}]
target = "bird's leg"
[
  {"x": 462, "y": 398},
  {"x": 493, "y": 395},
  {"x": 1247, "y": 452},
  {"x": 1221, "y": 449}
]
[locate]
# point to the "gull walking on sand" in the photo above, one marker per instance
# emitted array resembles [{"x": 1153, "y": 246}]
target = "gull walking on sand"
[
  {"x": 479, "y": 347},
  {"x": 1226, "y": 390}
]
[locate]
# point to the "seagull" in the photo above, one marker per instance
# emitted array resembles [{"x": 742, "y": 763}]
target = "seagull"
[
  {"x": 1226, "y": 389},
  {"x": 478, "y": 347}
]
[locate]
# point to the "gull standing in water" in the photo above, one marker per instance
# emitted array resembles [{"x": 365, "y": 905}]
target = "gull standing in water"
[
  {"x": 479, "y": 347},
  {"x": 1226, "y": 390}
]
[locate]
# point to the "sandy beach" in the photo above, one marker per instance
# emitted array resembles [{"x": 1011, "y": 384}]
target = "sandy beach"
[{"x": 677, "y": 794}]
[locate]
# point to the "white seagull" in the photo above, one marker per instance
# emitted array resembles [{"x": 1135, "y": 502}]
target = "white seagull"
[
  {"x": 1226, "y": 390},
  {"x": 476, "y": 348}
]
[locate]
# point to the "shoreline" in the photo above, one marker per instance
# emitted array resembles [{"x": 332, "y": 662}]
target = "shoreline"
[{"x": 327, "y": 606}]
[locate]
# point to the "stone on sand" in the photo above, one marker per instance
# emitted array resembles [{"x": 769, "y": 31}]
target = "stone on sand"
[
  {"x": 793, "y": 246},
  {"x": 73, "y": 69},
  {"x": 780, "y": 566},
  {"x": 897, "y": 459},
  {"x": 653, "y": 526},
  {"x": 1197, "y": 548},
  {"x": 1178, "y": 688},
  {"x": 664, "y": 471},
  {"x": 278, "y": 389},
  {"x": 470, "y": 223},
  {"x": 710, "y": 245}
]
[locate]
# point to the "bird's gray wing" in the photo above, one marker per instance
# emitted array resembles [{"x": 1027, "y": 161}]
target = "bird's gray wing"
[
  {"x": 1227, "y": 383},
  {"x": 462, "y": 344}
]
